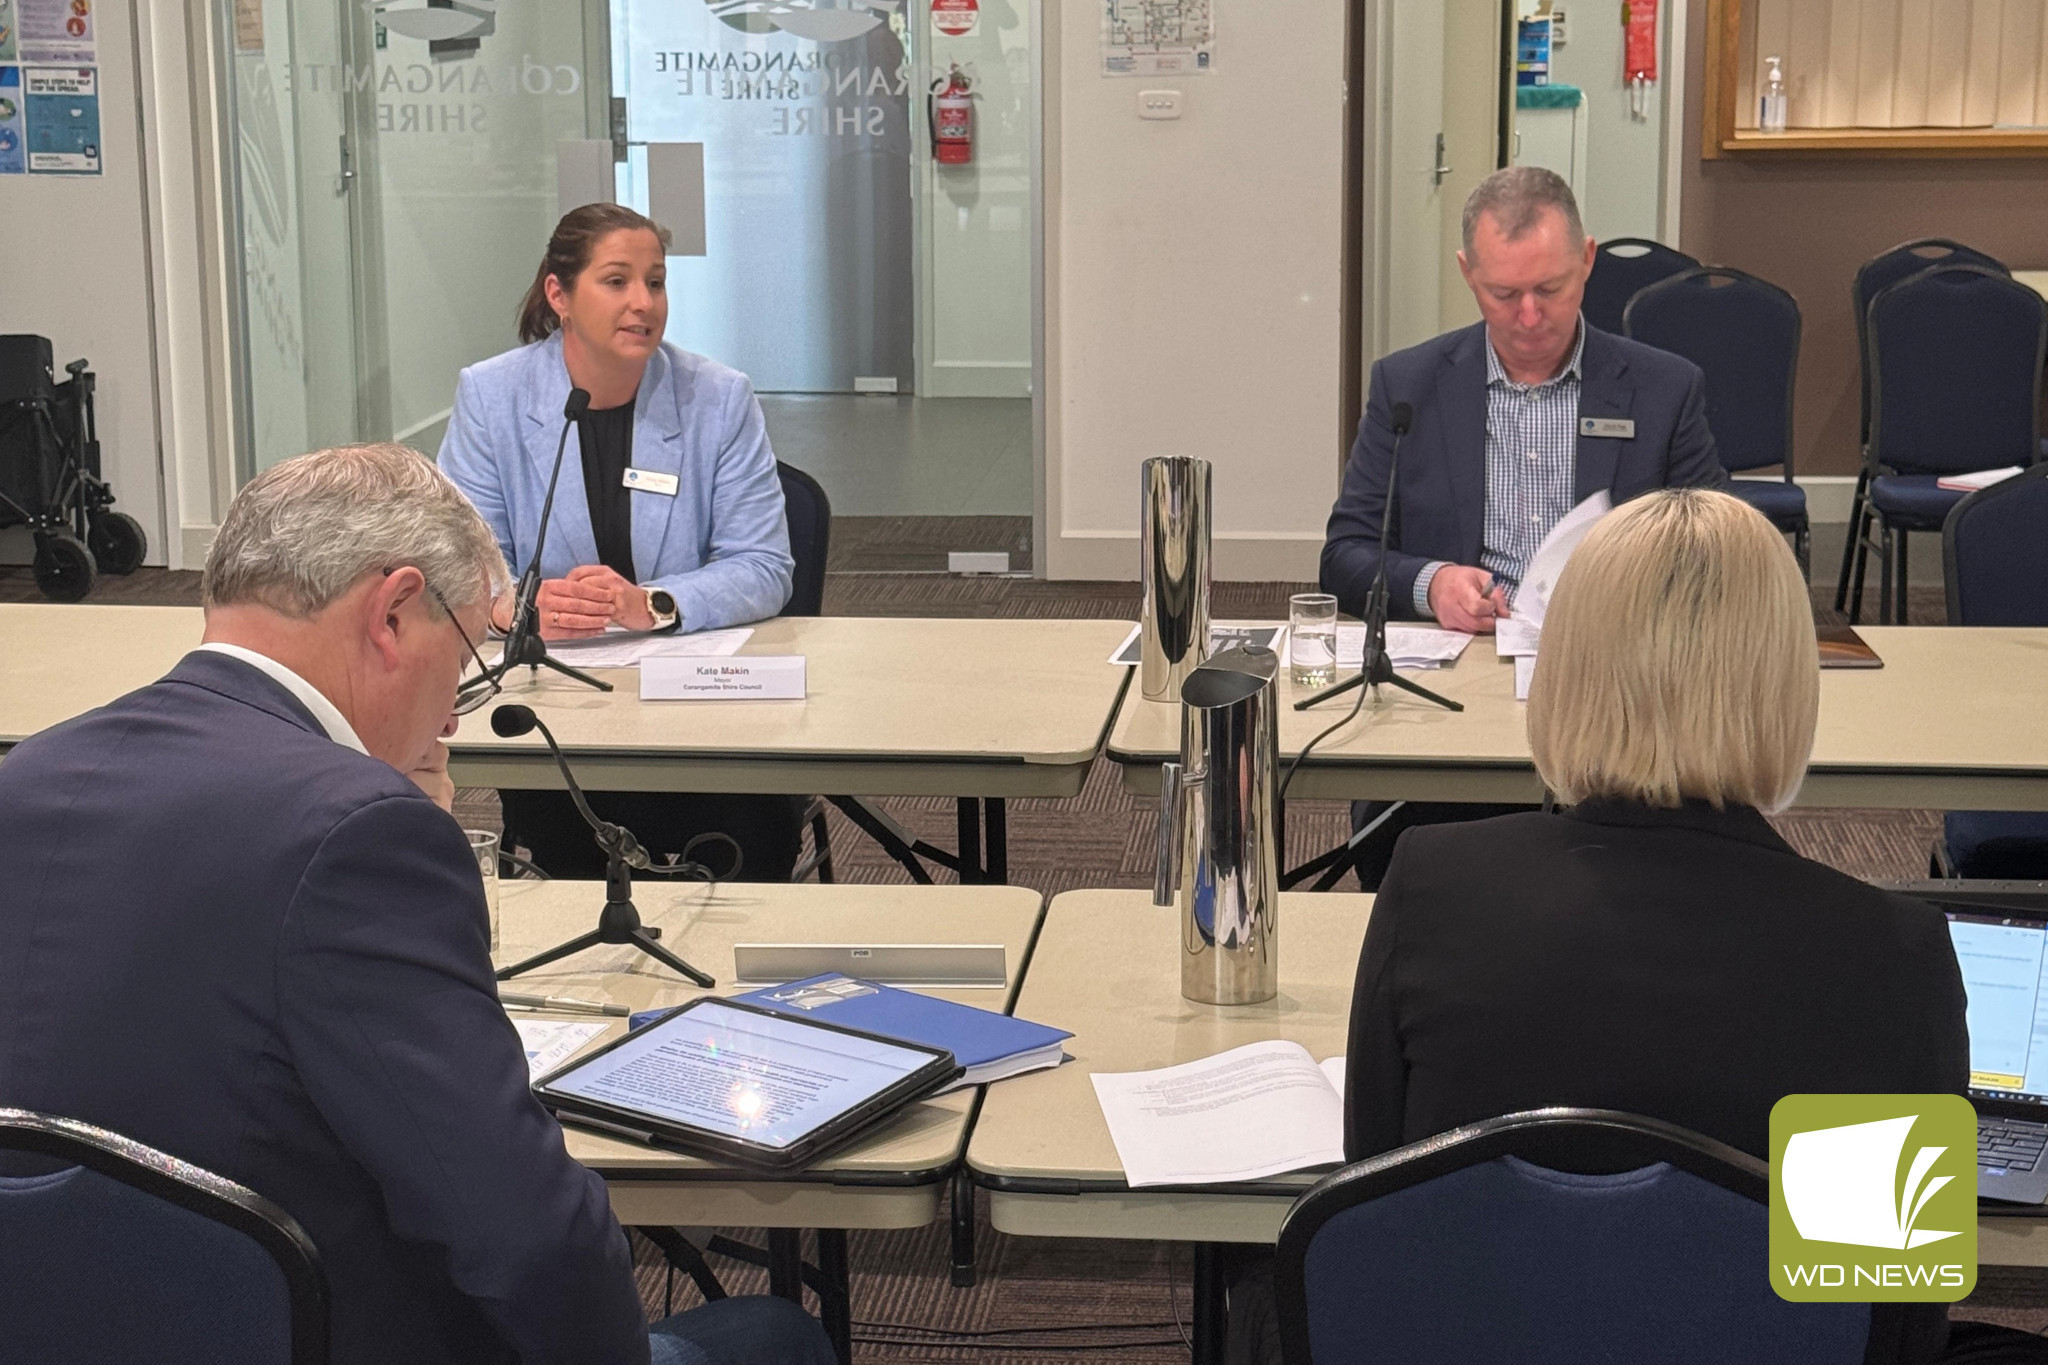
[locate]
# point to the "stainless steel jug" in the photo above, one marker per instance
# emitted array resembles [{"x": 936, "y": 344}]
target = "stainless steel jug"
[
  {"x": 1218, "y": 820},
  {"x": 1174, "y": 564}
]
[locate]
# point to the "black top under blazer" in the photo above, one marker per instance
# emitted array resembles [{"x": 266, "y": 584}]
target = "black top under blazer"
[
  {"x": 1683, "y": 964},
  {"x": 227, "y": 936}
]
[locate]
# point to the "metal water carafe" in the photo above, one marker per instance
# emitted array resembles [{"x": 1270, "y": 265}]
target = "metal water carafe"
[
  {"x": 1174, "y": 565},
  {"x": 1218, "y": 824}
]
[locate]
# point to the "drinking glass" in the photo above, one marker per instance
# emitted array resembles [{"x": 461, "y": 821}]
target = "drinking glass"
[
  {"x": 1312, "y": 638},
  {"x": 484, "y": 844}
]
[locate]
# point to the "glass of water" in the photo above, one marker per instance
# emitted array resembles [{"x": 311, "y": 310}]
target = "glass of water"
[
  {"x": 484, "y": 844},
  {"x": 1312, "y": 638}
]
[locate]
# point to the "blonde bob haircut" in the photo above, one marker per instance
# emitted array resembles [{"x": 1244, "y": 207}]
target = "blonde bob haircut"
[{"x": 1678, "y": 660}]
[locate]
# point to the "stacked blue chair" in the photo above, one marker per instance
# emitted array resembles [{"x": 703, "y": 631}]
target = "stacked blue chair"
[
  {"x": 1954, "y": 357},
  {"x": 1622, "y": 269},
  {"x": 110, "y": 1250},
  {"x": 1878, "y": 273},
  {"x": 1744, "y": 333},
  {"x": 1482, "y": 1244},
  {"x": 809, "y": 513},
  {"x": 1994, "y": 550}
]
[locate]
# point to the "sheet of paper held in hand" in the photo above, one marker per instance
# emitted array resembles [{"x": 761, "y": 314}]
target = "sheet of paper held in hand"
[
  {"x": 550, "y": 1042},
  {"x": 1518, "y": 634},
  {"x": 1253, "y": 1111},
  {"x": 626, "y": 648}
]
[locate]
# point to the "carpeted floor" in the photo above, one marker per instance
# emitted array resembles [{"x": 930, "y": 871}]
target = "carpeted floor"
[{"x": 1042, "y": 1300}]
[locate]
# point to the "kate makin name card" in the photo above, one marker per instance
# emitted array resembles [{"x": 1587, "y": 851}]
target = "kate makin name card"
[{"x": 751, "y": 677}]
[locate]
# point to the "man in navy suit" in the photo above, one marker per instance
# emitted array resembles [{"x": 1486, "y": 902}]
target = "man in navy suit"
[
  {"x": 1515, "y": 421},
  {"x": 232, "y": 928}
]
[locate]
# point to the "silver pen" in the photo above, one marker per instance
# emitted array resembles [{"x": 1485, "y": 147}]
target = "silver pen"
[{"x": 566, "y": 1004}]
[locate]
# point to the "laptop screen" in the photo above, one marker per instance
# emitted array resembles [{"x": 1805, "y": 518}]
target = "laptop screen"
[{"x": 2004, "y": 960}]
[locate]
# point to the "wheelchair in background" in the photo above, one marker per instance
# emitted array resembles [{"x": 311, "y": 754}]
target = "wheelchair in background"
[{"x": 50, "y": 473}]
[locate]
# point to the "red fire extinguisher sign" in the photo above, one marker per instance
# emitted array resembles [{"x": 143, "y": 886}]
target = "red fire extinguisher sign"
[{"x": 956, "y": 18}]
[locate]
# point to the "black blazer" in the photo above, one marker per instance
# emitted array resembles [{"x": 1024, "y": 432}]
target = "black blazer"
[
  {"x": 229, "y": 937},
  {"x": 1684, "y": 964},
  {"x": 1440, "y": 495}
]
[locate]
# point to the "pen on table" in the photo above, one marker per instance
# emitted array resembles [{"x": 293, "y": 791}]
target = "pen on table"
[{"x": 565, "y": 1003}]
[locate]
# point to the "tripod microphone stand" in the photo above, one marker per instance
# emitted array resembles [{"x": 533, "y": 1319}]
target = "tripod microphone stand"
[
  {"x": 619, "y": 921},
  {"x": 1376, "y": 668},
  {"x": 523, "y": 642}
]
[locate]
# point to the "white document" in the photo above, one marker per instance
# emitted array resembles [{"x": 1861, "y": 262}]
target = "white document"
[
  {"x": 1410, "y": 647},
  {"x": 1525, "y": 673},
  {"x": 550, "y": 1042},
  {"x": 1222, "y": 635},
  {"x": 1970, "y": 483},
  {"x": 625, "y": 648},
  {"x": 1253, "y": 1111},
  {"x": 1517, "y": 635}
]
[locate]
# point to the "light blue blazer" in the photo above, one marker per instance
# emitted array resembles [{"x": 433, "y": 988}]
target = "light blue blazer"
[{"x": 720, "y": 545}]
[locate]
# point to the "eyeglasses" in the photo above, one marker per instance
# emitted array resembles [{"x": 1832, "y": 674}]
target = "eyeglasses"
[{"x": 470, "y": 695}]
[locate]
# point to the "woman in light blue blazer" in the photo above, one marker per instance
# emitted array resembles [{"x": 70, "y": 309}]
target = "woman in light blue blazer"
[{"x": 668, "y": 514}]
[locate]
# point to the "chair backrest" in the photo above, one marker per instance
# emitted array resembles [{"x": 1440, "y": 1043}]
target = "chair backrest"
[
  {"x": 1954, "y": 356},
  {"x": 1994, "y": 550},
  {"x": 1622, "y": 267},
  {"x": 1492, "y": 1243},
  {"x": 112, "y": 1250},
  {"x": 1887, "y": 268},
  {"x": 810, "y": 539},
  {"x": 1744, "y": 333}
]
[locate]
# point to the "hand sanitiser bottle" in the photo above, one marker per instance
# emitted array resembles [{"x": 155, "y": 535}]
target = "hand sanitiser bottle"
[{"x": 1771, "y": 117}]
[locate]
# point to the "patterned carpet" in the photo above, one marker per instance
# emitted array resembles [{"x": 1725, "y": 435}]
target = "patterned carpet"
[{"x": 1041, "y": 1301}]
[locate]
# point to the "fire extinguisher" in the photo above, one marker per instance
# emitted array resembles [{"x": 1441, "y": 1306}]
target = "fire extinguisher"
[
  {"x": 949, "y": 109},
  {"x": 1639, "y": 54}
]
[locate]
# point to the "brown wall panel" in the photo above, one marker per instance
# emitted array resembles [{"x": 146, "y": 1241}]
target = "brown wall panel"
[{"x": 1807, "y": 225}]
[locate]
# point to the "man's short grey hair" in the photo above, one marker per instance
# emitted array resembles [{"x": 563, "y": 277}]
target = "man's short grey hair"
[
  {"x": 304, "y": 531},
  {"x": 1514, "y": 197}
]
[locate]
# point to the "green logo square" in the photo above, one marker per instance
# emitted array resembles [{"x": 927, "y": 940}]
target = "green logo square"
[{"x": 1873, "y": 1198}]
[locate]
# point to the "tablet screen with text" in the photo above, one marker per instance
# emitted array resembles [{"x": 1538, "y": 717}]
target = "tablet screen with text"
[{"x": 758, "y": 1078}]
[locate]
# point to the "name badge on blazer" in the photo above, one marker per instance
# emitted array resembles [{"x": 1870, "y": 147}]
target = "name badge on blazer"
[
  {"x": 654, "y": 481},
  {"x": 1624, "y": 427}
]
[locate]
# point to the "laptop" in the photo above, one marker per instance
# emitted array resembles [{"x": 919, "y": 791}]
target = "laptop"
[{"x": 2001, "y": 943}]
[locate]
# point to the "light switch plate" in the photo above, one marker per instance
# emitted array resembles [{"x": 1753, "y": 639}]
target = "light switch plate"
[{"x": 1159, "y": 104}]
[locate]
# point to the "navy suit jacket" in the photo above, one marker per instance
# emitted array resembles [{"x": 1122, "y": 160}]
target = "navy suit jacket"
[
  {"x": 1440, "y": 490},
  {"x": 229, "y": 937}
]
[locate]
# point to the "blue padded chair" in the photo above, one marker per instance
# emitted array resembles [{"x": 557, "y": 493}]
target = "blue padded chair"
[
  {"x": 1954, "y": 356},
  {"x": 1880, "y": 272},
  {"x": 809, "y": 513},
  {"x": 110, "y": 1250},
  {"x": 1486, "y": 1243},
  {"x": 1994, "y": 550},
  {"x": 1744, "y": 333},
  {"x": 1623, "y": 268}
]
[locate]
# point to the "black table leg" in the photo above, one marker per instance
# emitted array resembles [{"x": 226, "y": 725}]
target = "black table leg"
[
  {"x": 969, "y": 824},
  {"x": 835, "y": 1292},
  {"x": 963, "y": 1230},
  {"x": 1210, "y": 1306},
  {"x": 786, "y": 1264},
  {"x": 997, "y": 817}
]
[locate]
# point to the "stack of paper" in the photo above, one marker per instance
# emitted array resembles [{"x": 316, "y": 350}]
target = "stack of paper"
[
  {"x": 1970, "y": 483},
  {"x": 1517, "y": 636},
  {"x": 626, "y": 648},
  {"x": 1253, "y": 1111},
  {"x": 551, "y": 1042},
  {"x": 1222, "y": 635},
  {"x": 1408, "y": 646}
]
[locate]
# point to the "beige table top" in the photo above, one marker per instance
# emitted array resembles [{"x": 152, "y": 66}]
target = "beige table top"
[
  {"x": 1107, "y": 968},
  {"x": 892, "y": 1177},
  {"x": 896, "y": 707},
  {"x": 1952, "y": 721}
]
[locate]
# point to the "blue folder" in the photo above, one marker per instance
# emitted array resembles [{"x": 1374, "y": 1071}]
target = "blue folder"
[{"x": 989, "y": 1045}]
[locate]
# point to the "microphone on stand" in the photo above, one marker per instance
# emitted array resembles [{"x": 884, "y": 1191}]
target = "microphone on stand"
[
  {"x": 619, "y": 922},
  {"x": 523, "y": 642},
  {"x": 1376, "y": 668}
]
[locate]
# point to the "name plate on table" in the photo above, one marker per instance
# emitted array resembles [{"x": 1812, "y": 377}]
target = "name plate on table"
[{"x": 750, "y": 677}]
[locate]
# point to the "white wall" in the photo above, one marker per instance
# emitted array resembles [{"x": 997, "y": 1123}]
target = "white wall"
[
  {"x": 1192, "y": 289},
  {"x": 975, "y": 220},
  {"x": 1624, "y": 194},
  {"x": 75, "y": 270}
]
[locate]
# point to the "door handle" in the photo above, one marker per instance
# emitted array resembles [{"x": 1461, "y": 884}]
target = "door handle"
[
  {"x": 348, "y": 169},
  {"x": 1439, "y": 171}
]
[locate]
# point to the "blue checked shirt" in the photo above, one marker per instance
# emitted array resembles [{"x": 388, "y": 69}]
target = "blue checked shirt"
[{"x": 1532, "y": 443}]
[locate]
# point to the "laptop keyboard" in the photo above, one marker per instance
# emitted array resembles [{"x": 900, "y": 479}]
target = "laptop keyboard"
[{"x": 2010, "y": 1145}]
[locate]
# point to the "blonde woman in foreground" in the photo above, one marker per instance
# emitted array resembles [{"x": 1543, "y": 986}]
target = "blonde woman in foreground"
[{"x": 1654, "y": 946}]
